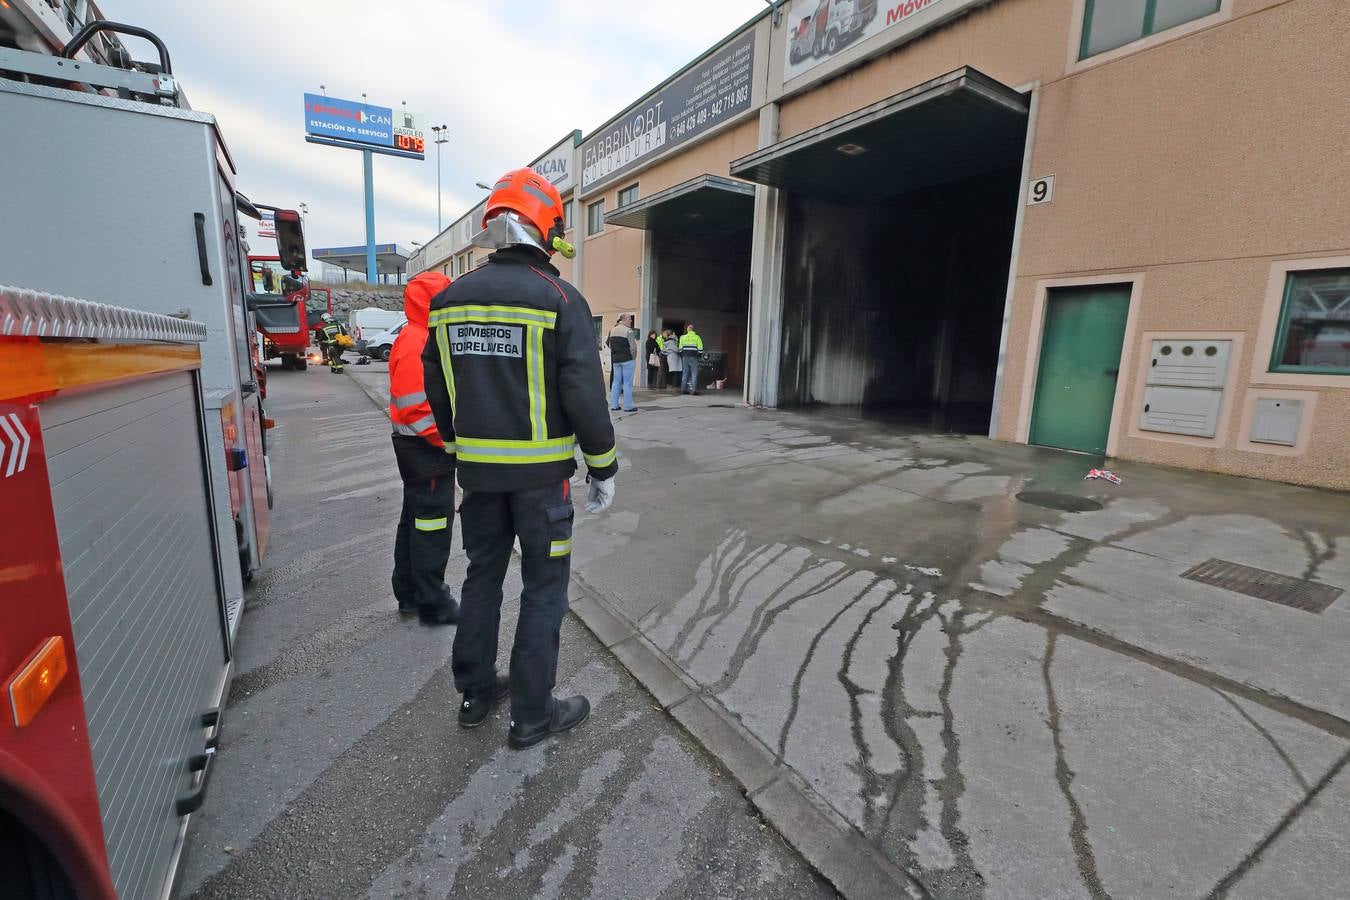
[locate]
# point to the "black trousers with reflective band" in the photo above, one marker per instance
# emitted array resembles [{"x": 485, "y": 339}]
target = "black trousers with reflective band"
[
  {"x": 542, "y": 519},
  {"x": 425, "y": 527}
]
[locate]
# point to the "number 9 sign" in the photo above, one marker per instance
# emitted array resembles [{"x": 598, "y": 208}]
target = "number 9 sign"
[{"x": 1041, "y": 191}]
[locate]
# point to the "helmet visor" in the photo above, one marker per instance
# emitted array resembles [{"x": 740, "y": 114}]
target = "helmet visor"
[{"x": 508, "y": 229}]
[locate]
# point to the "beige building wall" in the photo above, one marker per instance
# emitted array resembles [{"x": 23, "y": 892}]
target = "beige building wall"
[{"x": 1198, "y": 165}]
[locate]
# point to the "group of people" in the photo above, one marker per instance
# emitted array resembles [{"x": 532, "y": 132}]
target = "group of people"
[
  {"x": 495, "y": 380},
  {"x": 671, "y": 361}
]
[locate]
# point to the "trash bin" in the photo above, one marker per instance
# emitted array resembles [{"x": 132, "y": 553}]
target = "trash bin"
[{"x": 712, "y": 367}]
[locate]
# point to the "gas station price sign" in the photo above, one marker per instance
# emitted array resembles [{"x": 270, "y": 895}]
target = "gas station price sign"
[{"x": 365, "y": 125}]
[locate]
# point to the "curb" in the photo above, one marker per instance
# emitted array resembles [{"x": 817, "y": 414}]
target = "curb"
[
  {"x": 832, "y": 846},
  {"x": 381, "y": 403}
]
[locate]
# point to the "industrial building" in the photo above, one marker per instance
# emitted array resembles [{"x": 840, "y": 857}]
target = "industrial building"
[{"x": 1111, "y": 227}]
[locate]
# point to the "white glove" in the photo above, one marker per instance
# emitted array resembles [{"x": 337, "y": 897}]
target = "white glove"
[{"x": 601, "y": 495}]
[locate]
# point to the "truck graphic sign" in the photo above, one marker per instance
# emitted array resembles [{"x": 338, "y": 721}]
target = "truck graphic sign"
[{"x": 818, "y": 30}]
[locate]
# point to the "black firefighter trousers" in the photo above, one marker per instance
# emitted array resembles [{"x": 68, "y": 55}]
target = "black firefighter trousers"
[
  {"x": 542, "y": 519},
  {"x": 422, "y": 547}
]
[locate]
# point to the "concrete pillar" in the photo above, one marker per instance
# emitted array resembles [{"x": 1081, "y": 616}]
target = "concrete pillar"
[
  {"x": 647, "y": 318},
  {"x": 766, "y": 280}
]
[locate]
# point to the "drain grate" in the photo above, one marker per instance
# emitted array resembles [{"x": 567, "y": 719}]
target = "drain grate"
[
  {"x": 1298, "y": 593},
  {"x": 1062, "y": 502}
]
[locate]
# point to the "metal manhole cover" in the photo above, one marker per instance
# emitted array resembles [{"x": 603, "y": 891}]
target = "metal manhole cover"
[
  {"x": 1309, "y": 596},
  {"x": 1062, "y": 502}
]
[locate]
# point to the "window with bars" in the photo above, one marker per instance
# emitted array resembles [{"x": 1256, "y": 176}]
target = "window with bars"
[
  {"x": 1314, "y": 330},
  {"x": 1108, "y": 24}
]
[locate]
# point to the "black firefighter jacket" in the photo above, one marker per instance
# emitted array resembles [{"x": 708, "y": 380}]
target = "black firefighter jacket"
[{"x": 513, "y": 376}]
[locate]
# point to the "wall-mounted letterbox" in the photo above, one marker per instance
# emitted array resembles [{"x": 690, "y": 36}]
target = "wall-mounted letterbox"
[{"x": 1276, "y": 420}]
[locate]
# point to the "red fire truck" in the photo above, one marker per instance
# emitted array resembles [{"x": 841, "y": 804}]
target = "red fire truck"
[
  {"x": 134, "y": 483},
  {"x": 288, "y": 314}
]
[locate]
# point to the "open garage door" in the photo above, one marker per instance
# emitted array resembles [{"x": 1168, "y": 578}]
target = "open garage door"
[
  {"x": 899, "y": 238},
  {"x": 700, "y": 233}
]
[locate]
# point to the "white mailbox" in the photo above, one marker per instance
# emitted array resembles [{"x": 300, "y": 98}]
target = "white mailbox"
[
  {"x": 1185, "y": 382},
  {"x": 1277, "y": 420},
  {"x": 1186, "y": 363}
]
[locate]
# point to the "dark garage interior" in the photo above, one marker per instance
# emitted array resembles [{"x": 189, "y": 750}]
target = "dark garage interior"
[{"x": 899, "y": 232}]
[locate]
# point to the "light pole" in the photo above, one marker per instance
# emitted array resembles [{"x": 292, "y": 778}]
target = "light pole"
[
  {"x": 439, "y": 131},
  {"x": 304, "y": 213}
]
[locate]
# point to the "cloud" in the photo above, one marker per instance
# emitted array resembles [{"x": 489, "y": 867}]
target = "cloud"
[{"x": 509, "y": 80}]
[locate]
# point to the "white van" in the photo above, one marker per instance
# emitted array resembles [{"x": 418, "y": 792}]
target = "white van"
[
  {"x": 368, "y": 322},
  {"x": 380, "y": 346}
]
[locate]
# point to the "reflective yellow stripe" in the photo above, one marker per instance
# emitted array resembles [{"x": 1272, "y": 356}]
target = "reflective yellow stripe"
[
  {"x": 494, "y": 315},
  {"x": 560, "y": 548},
  {"x": 600, "y": 460},
  {"x": 443, "y": 344},
  {"x": 503, "y": 452},
  {"x": 431, "y": 524},
  {"x": 534, "y": 367}
]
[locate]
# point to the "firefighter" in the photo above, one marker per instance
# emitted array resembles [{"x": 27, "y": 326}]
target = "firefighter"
[
  {"x": 328, "y": 338},
  {"x": 422, "y": 546},
  {"x": 515, "y": 385},
  {"x": 691, "y": 348}
]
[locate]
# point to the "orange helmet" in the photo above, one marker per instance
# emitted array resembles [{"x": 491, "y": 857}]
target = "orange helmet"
[{"x": 534, "y": 198}]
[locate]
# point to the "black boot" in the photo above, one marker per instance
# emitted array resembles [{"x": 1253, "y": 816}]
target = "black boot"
[
  {"x": 444, "y": 613},
  {"x": 478, "y": 704},
  {"x": 567, "y": 714}
]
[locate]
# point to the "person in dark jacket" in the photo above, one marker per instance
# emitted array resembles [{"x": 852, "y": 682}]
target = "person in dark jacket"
[
  {"x": 621, "y": 363},
  {"x": 653, "y": 351},
  {"x": 422, "y": 542},
  {"x": 515, "y": 385}
]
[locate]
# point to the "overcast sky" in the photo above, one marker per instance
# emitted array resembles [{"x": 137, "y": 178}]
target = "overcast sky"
[{"x": 509, "y": 78}]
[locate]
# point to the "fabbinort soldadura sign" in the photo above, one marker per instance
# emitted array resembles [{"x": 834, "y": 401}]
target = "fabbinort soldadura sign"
[
  {"x": 819, "y": 30},
  {"x": 709, "y": 93},
  {"x": 362, "y": 123}
]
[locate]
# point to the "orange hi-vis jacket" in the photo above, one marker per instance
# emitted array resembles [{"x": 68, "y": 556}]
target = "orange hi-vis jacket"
[{"x": 408, "y": 407}]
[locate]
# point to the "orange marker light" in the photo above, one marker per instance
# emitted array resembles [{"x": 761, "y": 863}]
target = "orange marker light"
[{"x": 30, "y": 690}]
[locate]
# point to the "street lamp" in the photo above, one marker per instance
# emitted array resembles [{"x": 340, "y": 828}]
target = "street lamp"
[
  {"x": 479, "y": 184},
  {"x": 304, "y": 213},
  {"x": 439, "y": 131}
]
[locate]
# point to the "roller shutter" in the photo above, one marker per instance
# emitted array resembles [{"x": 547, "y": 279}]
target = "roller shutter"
[{"x": 130, "y": 494}]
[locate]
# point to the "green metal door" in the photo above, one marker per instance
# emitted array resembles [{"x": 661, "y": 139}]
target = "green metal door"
[{"x": 1080, "y": 362}]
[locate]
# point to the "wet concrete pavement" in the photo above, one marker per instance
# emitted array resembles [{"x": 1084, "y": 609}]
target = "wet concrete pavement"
[
  {"x": 1004, "y": 699},
  {"x": 343, "y": 773}
]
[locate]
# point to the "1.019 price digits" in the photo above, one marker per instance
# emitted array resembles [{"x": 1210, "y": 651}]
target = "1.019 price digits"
[{"x": 410, "y": 143}]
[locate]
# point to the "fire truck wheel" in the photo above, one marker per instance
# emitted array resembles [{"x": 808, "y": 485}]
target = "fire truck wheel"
[
  {"x": 28, "y": 870},
  {"x": 288, "y": 363},
  {"x": 301, "y": 363}
]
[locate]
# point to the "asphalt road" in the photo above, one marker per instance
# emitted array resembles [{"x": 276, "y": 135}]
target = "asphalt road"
[{"x": 343, "y": 773}]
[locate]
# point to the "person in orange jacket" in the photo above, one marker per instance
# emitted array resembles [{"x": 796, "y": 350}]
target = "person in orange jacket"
[{"x": 422, "y": 547}]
